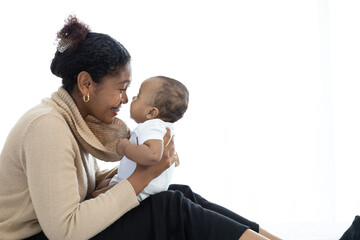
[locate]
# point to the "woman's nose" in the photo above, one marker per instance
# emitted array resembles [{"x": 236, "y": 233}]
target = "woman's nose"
[{"x": 124, "y": 98}]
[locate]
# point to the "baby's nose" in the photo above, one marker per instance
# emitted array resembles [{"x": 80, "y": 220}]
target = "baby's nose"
[{"x": 133, "y": 98}]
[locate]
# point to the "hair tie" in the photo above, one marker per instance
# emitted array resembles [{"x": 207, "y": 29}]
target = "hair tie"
[{"x": 62, "y": 46}]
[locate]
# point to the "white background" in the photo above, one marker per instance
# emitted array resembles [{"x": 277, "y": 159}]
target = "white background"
[{"x": 273, "y": 127}]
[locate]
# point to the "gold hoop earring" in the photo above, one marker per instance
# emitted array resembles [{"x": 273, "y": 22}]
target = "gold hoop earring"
[{"x": 86, "y": 98}]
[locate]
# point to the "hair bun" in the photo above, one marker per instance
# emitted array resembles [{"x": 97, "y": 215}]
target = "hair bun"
[{"x": 73, "y": 33}]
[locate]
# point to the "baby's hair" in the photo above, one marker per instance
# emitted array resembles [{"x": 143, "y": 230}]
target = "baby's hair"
[
  {"x": 80, "y": 49},
  {"x": 172, "y": 99}
]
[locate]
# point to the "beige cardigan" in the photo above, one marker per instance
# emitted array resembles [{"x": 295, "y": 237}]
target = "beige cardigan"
[{"x": 47, "y": 174}]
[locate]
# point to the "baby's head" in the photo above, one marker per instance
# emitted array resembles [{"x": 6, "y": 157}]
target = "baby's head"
[{"x": 160, "y": 97}]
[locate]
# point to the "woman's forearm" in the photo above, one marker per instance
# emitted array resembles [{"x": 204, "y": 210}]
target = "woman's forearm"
[{"x": 139, "y": 179}]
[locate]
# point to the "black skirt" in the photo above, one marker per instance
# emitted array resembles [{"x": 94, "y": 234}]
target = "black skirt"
[{"x": 177, "y": 214}]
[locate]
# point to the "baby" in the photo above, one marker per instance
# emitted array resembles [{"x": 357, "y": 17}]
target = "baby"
[{"x": 161, "y": 101}]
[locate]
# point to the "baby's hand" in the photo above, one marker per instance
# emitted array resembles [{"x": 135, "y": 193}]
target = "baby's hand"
[{"x": 120, "y": 146}]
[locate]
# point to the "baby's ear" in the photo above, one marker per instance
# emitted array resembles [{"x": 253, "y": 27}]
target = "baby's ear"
[{"x": 152, "y": 113}]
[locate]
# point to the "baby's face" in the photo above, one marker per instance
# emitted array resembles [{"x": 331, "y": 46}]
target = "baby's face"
[{"x": 142, "y": 104}]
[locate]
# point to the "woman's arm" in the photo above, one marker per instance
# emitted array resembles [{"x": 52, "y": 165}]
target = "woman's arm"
[{"x": 55, "y": 179}]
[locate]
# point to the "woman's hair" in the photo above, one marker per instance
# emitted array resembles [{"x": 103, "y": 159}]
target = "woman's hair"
[
  {"x": 80, "y": 49},
  {"x": 171, "y": 99}
]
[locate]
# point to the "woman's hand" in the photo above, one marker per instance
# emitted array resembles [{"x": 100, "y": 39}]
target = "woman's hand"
[
  {"x": 143, "y": 175},
  {"x": 101, "y": 190}
]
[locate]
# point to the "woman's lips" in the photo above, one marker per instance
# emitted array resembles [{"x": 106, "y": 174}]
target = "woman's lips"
[{"x": 115, "y": 110}]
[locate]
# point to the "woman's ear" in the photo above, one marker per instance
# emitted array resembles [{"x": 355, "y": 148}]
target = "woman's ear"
[
  {"x": 152, "y": 113},
  {"x": 84, "y": 82}
]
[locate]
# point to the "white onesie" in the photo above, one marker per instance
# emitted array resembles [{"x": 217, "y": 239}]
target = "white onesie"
[{"x": 151, "y": 129}]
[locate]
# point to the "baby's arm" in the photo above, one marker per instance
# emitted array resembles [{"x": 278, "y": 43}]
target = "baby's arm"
[{"x": 146, "y": 154}]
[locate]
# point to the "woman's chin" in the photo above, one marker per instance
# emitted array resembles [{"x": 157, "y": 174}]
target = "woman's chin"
[{"x": 107, "y": 119}]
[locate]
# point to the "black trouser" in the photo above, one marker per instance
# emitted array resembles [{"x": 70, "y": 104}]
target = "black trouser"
[{"x": 176, "y": 214}]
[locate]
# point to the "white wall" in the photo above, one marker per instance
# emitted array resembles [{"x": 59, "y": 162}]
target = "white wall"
[{"x": 272, "y": 129}]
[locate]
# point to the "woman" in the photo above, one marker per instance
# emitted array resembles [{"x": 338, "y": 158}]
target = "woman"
[{"x": 48, "y": 169}]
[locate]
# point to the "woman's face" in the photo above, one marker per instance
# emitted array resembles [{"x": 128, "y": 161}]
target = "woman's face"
[{"x": 107, "y": 97}]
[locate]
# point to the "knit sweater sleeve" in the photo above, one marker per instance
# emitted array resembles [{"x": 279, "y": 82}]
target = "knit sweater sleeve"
[{"x": 50, "y": 152}]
